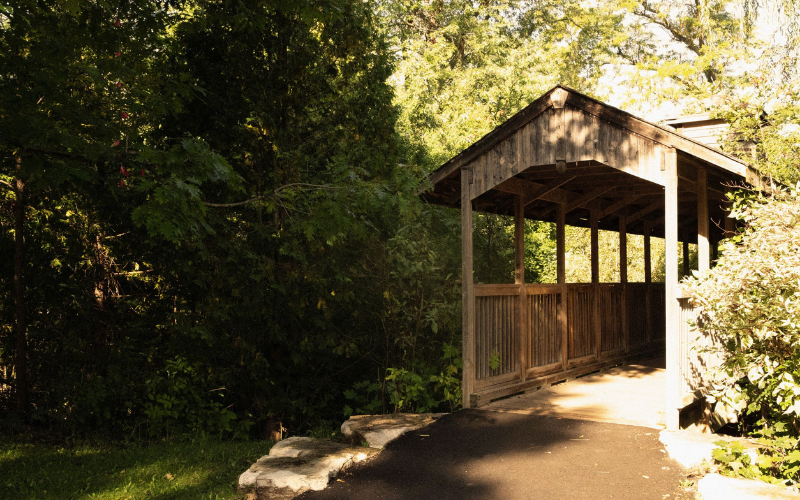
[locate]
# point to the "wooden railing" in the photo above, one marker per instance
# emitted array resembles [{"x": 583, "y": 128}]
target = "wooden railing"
[
  {"x": 527, "y": 334},
  {"x": 496, "y": 339}
]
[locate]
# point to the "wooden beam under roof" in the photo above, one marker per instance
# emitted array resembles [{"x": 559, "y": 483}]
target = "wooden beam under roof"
[
  {"x": 691, "y": 186},
  {"x": 646, "y": 210},
  {"x": 586, "y": 198},
  {"x": 551, "y": 172},
  {"x": 543, "y": 191},
  {"x": 530, "y": 191},
  {"x": 515, "y": 185},
  {"x": 617, "y": 205}
]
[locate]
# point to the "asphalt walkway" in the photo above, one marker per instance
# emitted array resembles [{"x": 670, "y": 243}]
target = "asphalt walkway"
[{"x": 483, "y": 455}]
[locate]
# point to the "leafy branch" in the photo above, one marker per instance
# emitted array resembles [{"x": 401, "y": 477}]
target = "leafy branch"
[{"x": 273, "y": 193}]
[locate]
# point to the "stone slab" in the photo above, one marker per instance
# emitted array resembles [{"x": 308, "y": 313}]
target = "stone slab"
[
  {"x": 379, "y": 430},
  {"x": 299, "y": 464},
  {"x": 718, "y": 487},
  {"x": 691, "y": 449}
]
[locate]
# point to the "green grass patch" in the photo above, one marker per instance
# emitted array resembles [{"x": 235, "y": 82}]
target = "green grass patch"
[{"x": 207, "y": 469}]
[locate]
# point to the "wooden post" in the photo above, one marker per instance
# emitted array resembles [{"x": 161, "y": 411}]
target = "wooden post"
[
  {"x": 623, "y": 279},
  {"x": 714, "y": 252},
  {"x": 561, "y": 278},
  {"x": 703, "y": 263},
  {"x": 648, "y": 278},
  {"x": 561, "y": 263},
  {"x": 648, "y": 261},
  {"x": 467, "y": 291},
  {"x": 672, "y": 326},
  {"x": 623, "y": 250},
  {"x": 595, "y": 247},
  {"x": 519, "y": 279},
  {"x": 703, "y": 250},
  {"x": 730, "y": 224},
  {"x": 687, "y": 265}
]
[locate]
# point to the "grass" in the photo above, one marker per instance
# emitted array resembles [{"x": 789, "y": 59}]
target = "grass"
[{"x": 206, "y": 469}]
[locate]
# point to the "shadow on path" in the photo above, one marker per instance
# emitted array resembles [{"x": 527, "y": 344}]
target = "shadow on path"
[{"x": 475, "y": 454}]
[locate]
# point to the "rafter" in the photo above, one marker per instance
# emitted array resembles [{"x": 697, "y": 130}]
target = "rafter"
[
  {"x": 646, "y": 210},
  {"x": 586, "y": 198},
  {"x": 617, "y": 205}
]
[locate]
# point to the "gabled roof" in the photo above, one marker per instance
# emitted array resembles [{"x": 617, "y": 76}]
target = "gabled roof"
[{"x": 449, "y": 173}]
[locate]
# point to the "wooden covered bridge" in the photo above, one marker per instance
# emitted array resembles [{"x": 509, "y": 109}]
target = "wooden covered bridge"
[{"x": 570, "y": 159}]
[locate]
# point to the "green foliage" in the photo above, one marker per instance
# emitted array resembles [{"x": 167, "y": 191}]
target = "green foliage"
[
  {"x": 775, "y": 459},
  {"x": 178, "y": 404},
  {"x": 223, "y": 195},
  {"x": 428, "y": 390},
  {"x": 428, "y": 387},
  {"x": 174, "y": 208},
  {"x": 750, "y": 302},
  {"x": 246, "y": 238},
  {"x": 493, "y": 248}
]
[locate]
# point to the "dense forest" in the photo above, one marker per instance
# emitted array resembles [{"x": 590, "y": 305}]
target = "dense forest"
[{"x": 209, "y": 221}]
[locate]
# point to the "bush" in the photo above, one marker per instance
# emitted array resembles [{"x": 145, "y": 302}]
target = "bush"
[{"x": 751, "y": 302}]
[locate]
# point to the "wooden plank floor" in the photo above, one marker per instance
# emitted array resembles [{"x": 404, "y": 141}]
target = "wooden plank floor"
[{"x": 628, "y": 394}]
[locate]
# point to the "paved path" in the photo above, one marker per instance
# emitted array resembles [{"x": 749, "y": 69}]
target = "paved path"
[
  {"x": 628, "y": 394},
  {"x": 483, "y": 455}
]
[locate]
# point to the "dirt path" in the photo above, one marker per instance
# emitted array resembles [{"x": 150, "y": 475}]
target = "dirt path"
[{"x": 474, "y": 454}]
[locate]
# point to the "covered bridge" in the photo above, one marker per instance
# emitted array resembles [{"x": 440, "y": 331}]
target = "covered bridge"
[{"x": 570, "y": 159}]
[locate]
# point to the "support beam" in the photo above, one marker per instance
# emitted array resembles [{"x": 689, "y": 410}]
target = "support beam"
[
  {"x": 648, "y": 279},
  {"x": 586, "y": 198},
  {"x": 691, "y": 187},
  {"x": 623, "y": 250},
  {"x": 519, "y": 242},
  {"x": 561, "y": 263},
  {"x": 545, "y": 190},
  {"x": 595, "y": 256},
  {"x": 519, "y": 279},
  {"x": 648, "y": 261},
  {"x": 617, "y": 205},
  {"x": 467, "y": 291},
  {"x": 623, "y": 279},
  {"x": 703, "y": 248},
  {"x": 561, "y": 277},
  {"x": 687, "y": 265},
  {"x": 673, "y": 399},
  {"x": 595, "y": 246},
  {"x": 532, "y": 191},
  {"x": 646, "y": 210},
  {"x": 714, "y": 253},
  {"x": 572, "y": 169},
  {"x": 515, "y": 185}
]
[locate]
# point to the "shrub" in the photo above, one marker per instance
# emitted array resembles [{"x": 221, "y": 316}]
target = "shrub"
[{"x": 751, "y": 302}]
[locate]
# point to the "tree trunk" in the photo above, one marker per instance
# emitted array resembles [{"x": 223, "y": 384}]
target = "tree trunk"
[{"x": 21, "y": 355}]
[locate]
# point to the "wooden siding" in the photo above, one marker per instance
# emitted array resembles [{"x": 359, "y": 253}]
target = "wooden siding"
[{"x": 586, "y": 138}]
